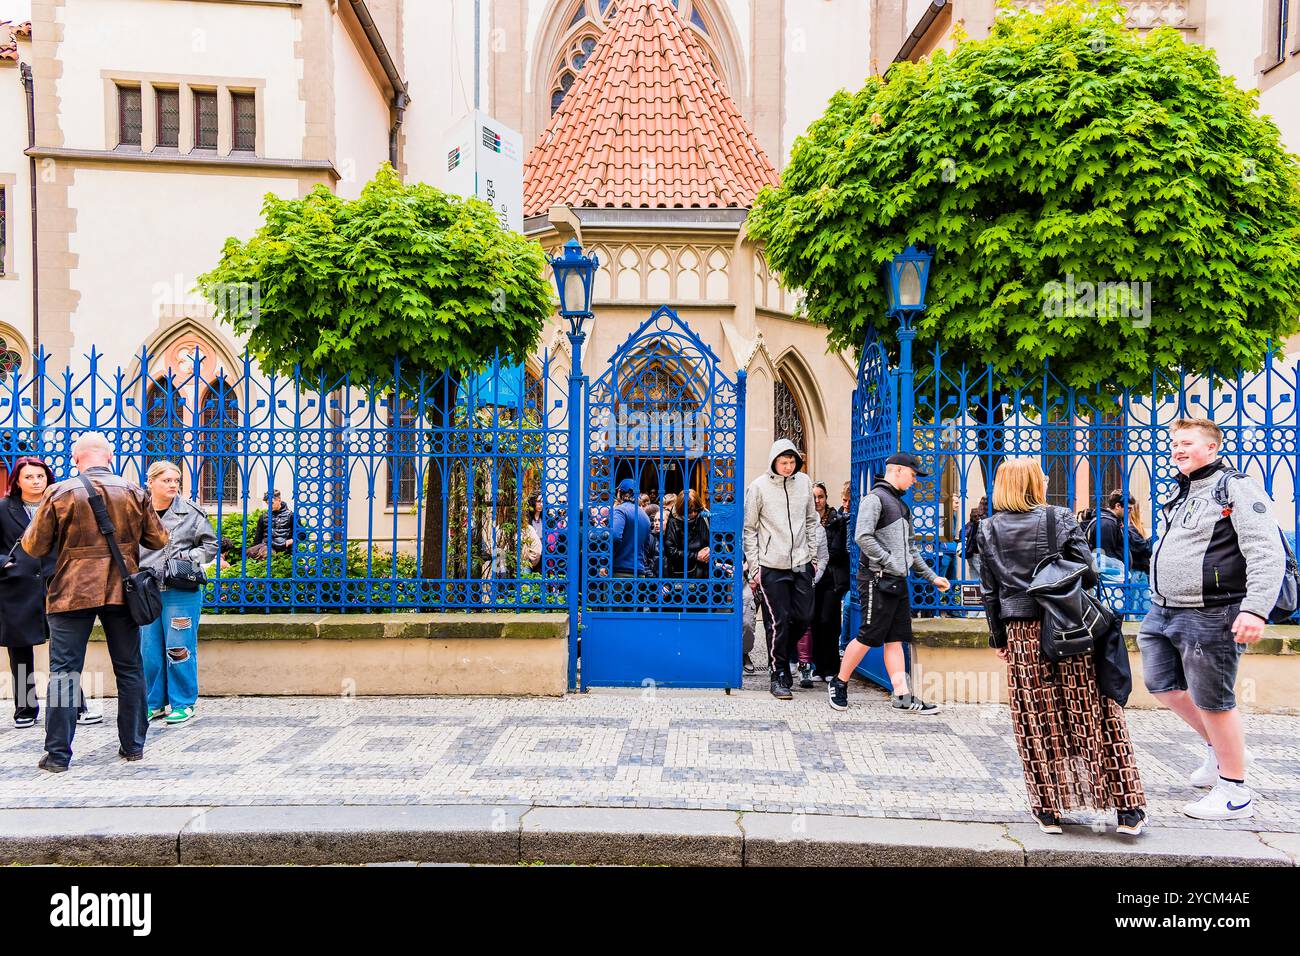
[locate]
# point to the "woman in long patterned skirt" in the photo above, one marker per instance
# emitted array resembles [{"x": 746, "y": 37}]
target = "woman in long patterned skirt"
[{"x": 1072, "y": 740}]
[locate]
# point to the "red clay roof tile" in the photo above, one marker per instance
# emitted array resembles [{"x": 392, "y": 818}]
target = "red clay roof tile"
[
  {"x": 10, "y": 34},
  {"x": 647, "y": 123}
]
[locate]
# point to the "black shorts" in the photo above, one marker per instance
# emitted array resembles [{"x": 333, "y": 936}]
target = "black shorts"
[{"x": 886, "y": 618}]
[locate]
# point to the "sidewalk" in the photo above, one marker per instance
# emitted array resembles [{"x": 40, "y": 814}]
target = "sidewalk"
[{"x": 779, "y": 768}]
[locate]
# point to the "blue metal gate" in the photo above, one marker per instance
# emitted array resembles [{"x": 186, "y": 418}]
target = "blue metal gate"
[
  {"x": 667, "y": 416},
  {"x": 875, "y": 438}
]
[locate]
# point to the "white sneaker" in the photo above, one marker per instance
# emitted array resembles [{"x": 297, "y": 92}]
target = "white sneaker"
[
  {"x": 1227, "y": 801},
  {"x": 1207, "y": 774}
]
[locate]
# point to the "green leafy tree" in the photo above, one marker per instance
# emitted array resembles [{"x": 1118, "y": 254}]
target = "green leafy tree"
[
  {"x": 344, "y": 287},
  {"x": 1061, "y": 151}
]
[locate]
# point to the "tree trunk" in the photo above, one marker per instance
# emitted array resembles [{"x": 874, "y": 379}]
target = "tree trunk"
[{"x": 442, "y": 419}]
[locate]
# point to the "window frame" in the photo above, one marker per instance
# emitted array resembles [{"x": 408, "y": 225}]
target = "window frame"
[
  {"x": 160, "y": 90},
  {"x": 402, "y": 468},
  {"x": 235, "y": 97},
  {"x": 121, "y": 112},
  {"x": 203, "y": 95}
]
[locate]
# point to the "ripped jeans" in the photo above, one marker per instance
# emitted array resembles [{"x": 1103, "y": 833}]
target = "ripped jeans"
[{"x": 169, "y": 647}]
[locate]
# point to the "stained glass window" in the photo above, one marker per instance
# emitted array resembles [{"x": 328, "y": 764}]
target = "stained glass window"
[{"x": 11, "y": 361}]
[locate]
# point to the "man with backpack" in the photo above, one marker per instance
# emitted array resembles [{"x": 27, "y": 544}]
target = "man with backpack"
[{"x": 1216, "y": 576}]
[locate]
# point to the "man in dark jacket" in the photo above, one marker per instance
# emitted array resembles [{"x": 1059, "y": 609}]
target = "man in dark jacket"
[
  {"x": 279, "y": 521},
  {"x": 630, "y": 529},
  {"x": 1106, "y": 532},
  {"x": 86, "y": 585},
  {"x": 1215, "y": 578}
]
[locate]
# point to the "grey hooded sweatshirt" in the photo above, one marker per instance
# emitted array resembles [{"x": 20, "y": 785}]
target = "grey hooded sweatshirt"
[{"x": 780, "y": 517}]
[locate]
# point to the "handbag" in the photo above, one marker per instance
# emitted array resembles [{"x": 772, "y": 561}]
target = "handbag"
[
  {"x": 891, "y": 584},
  {"x": 143, "y": 599},
  {"x": 1073, "y": 618},
  {"x": 182, "y": 574}
]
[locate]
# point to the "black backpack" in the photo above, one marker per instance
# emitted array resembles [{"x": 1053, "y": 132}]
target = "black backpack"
[{"x": 1288, "y": 596}]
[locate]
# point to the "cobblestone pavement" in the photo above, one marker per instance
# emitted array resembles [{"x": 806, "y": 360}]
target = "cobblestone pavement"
[{"x": 674, "y": 749}]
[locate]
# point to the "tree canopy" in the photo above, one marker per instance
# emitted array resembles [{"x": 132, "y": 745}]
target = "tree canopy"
[
  {"x": 345, "y": 286},
  {"x": 1062, "y": 152}
]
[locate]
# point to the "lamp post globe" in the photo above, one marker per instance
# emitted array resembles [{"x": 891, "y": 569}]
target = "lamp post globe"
[
  {"x": 907, "y": 276},
  {"x": 575, "y": 274}
]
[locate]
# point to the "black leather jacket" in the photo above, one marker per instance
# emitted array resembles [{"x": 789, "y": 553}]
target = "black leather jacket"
[
  {"x": 1011, "y": 545},
  {"x": 282, "y": 528}
]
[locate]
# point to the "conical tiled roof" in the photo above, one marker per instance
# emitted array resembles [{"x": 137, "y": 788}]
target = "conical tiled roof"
[{"x": 647, "y": 124}]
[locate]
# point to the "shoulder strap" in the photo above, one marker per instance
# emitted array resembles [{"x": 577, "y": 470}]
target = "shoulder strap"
[
  {"x": 105, "y": 525},
  {"x": 1220, "y": 493}
]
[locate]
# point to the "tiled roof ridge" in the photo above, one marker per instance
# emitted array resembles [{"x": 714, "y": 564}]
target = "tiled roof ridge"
[
  {"x": 647, "y": 101},
  {"x": 10, "y": 33}
]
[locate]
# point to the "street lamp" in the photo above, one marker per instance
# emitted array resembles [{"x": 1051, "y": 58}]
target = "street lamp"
[
  {"x": 907, "y": 275},
  {"x": 575, "y": 274}
]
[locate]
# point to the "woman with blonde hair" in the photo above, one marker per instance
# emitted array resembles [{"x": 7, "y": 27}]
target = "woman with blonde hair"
[
  {"x": 169, "y": 646},
  {"x": 1073, "y": 742}
]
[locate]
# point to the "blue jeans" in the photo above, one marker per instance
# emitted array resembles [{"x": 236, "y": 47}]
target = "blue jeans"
[
  {"x": 69, "y": 633},
  {"x": 175, "y": 634}
]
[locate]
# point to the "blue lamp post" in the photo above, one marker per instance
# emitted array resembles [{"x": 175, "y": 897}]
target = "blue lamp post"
[
  {"x": 906, "y": 277},
  {"x": 575, "y": 274}
]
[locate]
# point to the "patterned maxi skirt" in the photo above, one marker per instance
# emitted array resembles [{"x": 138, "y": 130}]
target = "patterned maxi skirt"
[{"x": 1073, "y": 742}]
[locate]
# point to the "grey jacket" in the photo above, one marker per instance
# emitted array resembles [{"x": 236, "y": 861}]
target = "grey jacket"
[
  {"x": 1206, "y": 558},
  {"x": 884, "y": 535},
  {"x": 780, "y": 518},
  {"x": 191, "y": 536}
]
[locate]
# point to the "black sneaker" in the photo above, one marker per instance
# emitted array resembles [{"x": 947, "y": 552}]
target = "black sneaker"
[
  {"x": 130, "y": 758},
  {"x": 23, "y": 722},
  {"x": 786, "y": 680},
  {"x": 1132, "y": 822},
  {"x": 45, "y": 763},
  {"x": 780, "y": 691},
  {"x": 1048, "y": 822},
  {"x": 914, "y": 704},
  {"x": 839, "y": 693},
  {"x": 805, "y": 676}
]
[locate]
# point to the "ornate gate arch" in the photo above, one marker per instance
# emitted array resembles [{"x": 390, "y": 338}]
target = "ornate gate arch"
[{"x": 664, "y": 401}]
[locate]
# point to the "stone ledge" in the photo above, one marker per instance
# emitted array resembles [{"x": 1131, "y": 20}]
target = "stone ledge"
[{"x": 437, "y": 627}]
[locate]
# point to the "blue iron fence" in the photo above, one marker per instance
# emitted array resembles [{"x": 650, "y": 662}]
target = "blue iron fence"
[
  {"x": 407, "y": 492},
  {"x": 1091, "y": 442}
]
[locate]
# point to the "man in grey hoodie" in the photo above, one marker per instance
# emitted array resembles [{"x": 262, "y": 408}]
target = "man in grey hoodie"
[
  {"x": 1215, "y": 577},
  {"x": 780, "y": 532}
]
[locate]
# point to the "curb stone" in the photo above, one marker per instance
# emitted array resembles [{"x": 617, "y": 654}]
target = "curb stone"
[{"x": 509, "y": 834}]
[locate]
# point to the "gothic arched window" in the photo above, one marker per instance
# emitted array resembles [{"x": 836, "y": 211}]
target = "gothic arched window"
[
  {"x": 787, "y": 417},
  {"x": 220, "y": 443},
  {"x": 591, "y": 18}
]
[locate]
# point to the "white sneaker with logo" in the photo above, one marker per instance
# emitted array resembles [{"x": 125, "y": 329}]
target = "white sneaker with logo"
[
  {"x": 1227, "y": 801},
  {"x": 1207, "y": 774}
]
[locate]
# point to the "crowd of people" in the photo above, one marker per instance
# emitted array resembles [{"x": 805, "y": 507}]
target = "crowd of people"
[{"x": 1216, "y": 574}]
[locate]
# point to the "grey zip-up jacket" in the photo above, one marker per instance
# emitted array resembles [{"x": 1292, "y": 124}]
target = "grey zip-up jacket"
[
  {"x": 884, "y": 535},
  {"x": 190, "y": 536},
  {"x": 1205, "y": 558},
  {"x": 780, "y": 518}
]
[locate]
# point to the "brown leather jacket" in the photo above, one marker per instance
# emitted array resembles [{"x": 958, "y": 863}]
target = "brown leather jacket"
[{"x": 85, "y": 575}]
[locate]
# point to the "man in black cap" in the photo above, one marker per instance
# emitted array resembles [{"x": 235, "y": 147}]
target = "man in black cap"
[{"x": 889, "y": 552}]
